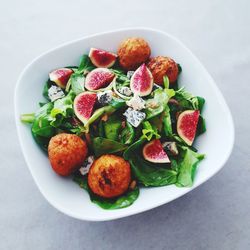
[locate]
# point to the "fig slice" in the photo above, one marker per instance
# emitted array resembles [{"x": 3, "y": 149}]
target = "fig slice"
[
  {"x": 142, "y": 81},
  {"x": 187, "y": 124},
  {"x": 98, "y": 78},
  {"x": 84, "y": 105},
  {"x": 60, "y": 76},
  {"x": 154, "y": 152},
  {"x": 102, "y": 58}
]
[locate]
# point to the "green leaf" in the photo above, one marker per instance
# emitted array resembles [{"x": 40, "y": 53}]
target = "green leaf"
[
  {"x": 167, "y": 124},
  {"x": 128, "y": 153},
  {"x": 157, "y": 104},
  {"x": 76, "y": 82},
  {"x": 187, "y": 167},
  {"x": 46, "y": 87},
  {"x": 149, "y": 131},
  {"x": 128, "y": 134},
  {"x": 122, "y": 201},
  {"x": 201, "y": 127},
  {"x": 41, "y": 125},
  {"x": 112, "y": 127},
  {"x": 106, "y": 146},
  {"x": 151, "y": 174},
  {"x": 85, "y": 65},
  {"x": 165, "y": 82},
  {"x": 63, "y": 108}
]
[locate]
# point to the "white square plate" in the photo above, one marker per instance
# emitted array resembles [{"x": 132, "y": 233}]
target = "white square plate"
[{"x": 63, "y": 193}]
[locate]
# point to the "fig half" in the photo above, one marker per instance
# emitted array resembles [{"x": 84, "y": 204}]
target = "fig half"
[
  {"x": 102, "y": 58},
  {"x": 60, "y": 76}
]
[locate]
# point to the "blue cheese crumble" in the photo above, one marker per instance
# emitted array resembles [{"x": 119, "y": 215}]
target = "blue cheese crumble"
[
  {"x": 129, "y": 74},
  {"x": 136, "y": 102},
  {"x": 55, "y": 93},
  {"x": 105, "y": 97},
  {"x": 87, "y": 164},
  {"x": 125, "y": 91},
  {"x": 134, "y": 117}
]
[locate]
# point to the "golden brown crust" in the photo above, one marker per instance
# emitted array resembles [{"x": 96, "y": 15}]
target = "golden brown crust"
[
  {"x": 109, "y": 176},
  {"x": 161, "y": 66},
  {"x": 66, "y": 153},
  {"x": 132, "y": 52}
]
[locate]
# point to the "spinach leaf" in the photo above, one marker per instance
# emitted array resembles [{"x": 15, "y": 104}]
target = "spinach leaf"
[
  {"x": 85, "y": 65},
  {"x": 106, "y": 146},
  {"x": 151, "y": 174},
  {"x": 76, "y": 82},
  {"x": 43, "y": 142},
  {"x": 128, "y": 153},
  {"x": 128, "y": 134},
  {"x": 46, "y": 87},
  {"x": 167, "y": 124},
  {"x": 122, "y": 201},
  {"x": 112, "y": 127},
  {"x": 201, "y": 127},
  {"x": 63, "y": 108},
  {"x": 187, "y": 167},
  {"x": 42, "y": 123}
]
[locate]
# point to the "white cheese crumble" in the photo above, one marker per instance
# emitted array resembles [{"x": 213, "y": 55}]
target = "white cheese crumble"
[
  {"x": 55, "y": 93},
  {"x": 87, "y": 164},
  {"x": 129, "y": 74},
  {"x": 125, "y": 91},
  {"x": 136, "y": 102},
  {"x": 105, "y": 97},
  {"x": 134, "y": 117}
]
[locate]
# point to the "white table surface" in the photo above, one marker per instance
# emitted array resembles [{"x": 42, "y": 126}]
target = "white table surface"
[{"x": 215, "y": 215}]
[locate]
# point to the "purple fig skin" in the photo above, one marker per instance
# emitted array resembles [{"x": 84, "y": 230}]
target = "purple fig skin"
[
  {"x": 187, "y": 124},
  {"x": 84, "y": 105},
  {"x": 61, "y": 76},
  {"x": 98, "y": 78},
  {"x": 154, "y": 152},
  {"x": 102, "y": 58},
  {"x": 142, "y": 81}
]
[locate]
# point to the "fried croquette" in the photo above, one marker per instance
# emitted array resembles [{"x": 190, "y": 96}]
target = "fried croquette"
[
  {"x": 132, "y": 52},
  {"x": 66, "y": 153},
  {"x": 161, "y": 66},
  {"x": 109, "y": 176}
]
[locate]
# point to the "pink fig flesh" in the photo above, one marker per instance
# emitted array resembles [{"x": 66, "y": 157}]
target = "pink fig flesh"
[
  {"x": 187, "y": 125},
  {"x": 102, "y": 58},
  {"x": 60, "y": 76},
  {"x": 142, "y": 81},
  {"x": 84, "y": 105},
  {"x": 154, "y": 152},
  {"x": 99, "y": 78}
]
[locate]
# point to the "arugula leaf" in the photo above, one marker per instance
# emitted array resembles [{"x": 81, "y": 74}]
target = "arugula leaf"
[
  {"x": 106, "y": 146},
  {"x": 122, "y": 201},
  {"x": 187, "y": 167},
  {"x": 167, "y": 124},
  {"x": 149, "y": 131},
  {"x": 63, "y": 108}
]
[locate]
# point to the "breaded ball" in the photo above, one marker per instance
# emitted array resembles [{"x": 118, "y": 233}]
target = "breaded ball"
[
  {"x": 132, "y": 52},
  {"x": 109, "y": 176},
  {"x": 161, "y": 66},
  {"x": 66, "y": 153}
]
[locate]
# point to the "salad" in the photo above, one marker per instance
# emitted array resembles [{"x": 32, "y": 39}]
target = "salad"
[{"x": 119, "y": 122}]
